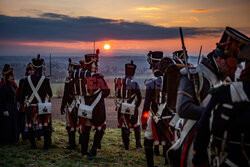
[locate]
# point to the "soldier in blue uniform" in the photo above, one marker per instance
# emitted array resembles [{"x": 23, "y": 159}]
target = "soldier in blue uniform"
[
  {"x": 128, "y": 100},
  {"x": 8, "y": 109},
  {"x": 154, "y": 108},
  {"x": 194, "y": 85},
  {"x": 69, "y": 104},
  {"x": 30, "y": 99}
]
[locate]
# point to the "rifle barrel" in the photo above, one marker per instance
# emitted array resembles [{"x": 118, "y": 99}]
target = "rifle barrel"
[
  {"x": 199, "y": 55},
  {"x": 185, "y": 53}
]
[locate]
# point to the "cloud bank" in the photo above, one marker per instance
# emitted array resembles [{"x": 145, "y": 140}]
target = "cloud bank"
[{"x": 58, "y": 27}]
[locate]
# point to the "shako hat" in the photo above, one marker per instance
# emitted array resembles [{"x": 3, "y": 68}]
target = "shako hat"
[
  {"x": 28, "y": 68},
  {"x": 130, "y": 68},
  {"x": 7, "y": 70},
  {"x": 154, "y": 57},
  {"x": 38, "y": 62},
  {"x": 92, "y": 58},
  {"x": 231, "y": 45}
]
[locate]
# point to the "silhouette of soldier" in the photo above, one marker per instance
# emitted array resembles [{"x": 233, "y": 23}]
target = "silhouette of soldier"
[
  {"x": 69, "y": 104},
  {"x": 8, "y": 107},
  {"x": 36, "y": 88},
  {"x": 153, "y": 109},
  {"x": 128, "y": 100},
  {"x": 21, "y": 113},
  {"x": 92, "y": 114}
]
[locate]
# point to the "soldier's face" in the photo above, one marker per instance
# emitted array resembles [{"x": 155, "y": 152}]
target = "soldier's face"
[
  {"x": 11, "y": 79},
  {"x": 94, "y": 67}
]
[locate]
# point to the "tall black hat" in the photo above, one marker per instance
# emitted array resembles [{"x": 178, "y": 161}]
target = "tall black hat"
[
  {"x": 28, "y": 68},
  {"x": 231, "y": 45},
  {"x": 91, "y": 58},
  {"x": 154, "y": 57},
  {"x": 38, "y": 62},
  {"x": 130, "y": 69},
  {"x": 7, "y": 70}
]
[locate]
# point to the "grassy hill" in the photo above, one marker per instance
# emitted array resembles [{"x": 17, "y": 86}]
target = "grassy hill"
[{"x": 111, "y": 154}]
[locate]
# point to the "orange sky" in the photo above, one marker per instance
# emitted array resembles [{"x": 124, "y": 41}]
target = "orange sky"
[{"x": 141, "y": 46}]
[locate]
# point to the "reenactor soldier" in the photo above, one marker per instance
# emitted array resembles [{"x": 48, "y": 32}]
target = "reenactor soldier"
[
  {"x": 193, "y": 91},
  {"x": 8, "y": 109},
  {"x": 36, "y": 88},
  {"x": 21, "y": 114},
  {"x": 69, "y": 104},
  {"x": 227, "y": 118},
  {"x": 128, "y": 100},
  {"x": 92, "y": 114},
  {"x": 154, "y": 109}
]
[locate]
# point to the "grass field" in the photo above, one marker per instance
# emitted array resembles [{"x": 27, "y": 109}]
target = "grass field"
[{"x": 111, "y": 154}]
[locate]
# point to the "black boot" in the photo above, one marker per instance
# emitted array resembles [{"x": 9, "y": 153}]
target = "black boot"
[
  {"x": 32, "y": 139},
  {"x": 85, "y": 140},
  {"x": 148, "y": 147},
  {"x": 164, "y": 154},
  {"x": 50, "y": 136},
  {"x": 46, "y": 139},
  {"x": 125, "y": 137},
  {"x": 138, "y": 137},
  {"x": 72, "y": 141},
  {"x": 68, "y": 130},
  {"x": 156, "y": 150},
  {"x": 97, "y": 140}
]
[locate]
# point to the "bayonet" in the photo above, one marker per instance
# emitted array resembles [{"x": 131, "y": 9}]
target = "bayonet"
[
  {"x": 198, "y": 62},
  {"x": 185, "y": 53}
]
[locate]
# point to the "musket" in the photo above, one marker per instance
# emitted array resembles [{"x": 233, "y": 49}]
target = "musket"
[
  {"x": 160, "y": 127},
  {"x": 198, "y": 62},
  {"x": 185, "y": 53}
]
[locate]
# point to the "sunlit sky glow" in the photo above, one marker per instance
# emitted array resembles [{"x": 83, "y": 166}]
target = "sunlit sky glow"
[{"x": 132, "y": 26}]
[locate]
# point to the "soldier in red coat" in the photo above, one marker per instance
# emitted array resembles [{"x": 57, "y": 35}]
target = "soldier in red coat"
[{"x": 91, "y": 90}]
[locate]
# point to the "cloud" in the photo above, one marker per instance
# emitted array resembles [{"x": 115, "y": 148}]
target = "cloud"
[
  {"x": 63, "y": 28},
  {"x": 186, "y": 20},
  {"x": 147, "y": 8},
  {"x": 182, "y": 21},
  {"x": 200, "y": 10}
]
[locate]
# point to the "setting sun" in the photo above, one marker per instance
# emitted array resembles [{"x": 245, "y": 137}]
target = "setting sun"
[{"x": 106, "y": 46}]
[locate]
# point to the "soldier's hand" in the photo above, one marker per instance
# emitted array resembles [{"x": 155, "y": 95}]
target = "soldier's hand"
[
  {"x": 62, "y": 110},
  {"x": 6, "y": 113}
]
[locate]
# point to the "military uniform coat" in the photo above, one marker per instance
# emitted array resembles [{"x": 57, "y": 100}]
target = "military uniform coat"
[
  {"x": 8, "y": 100},
  {"x": 131, "y": 120}
]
